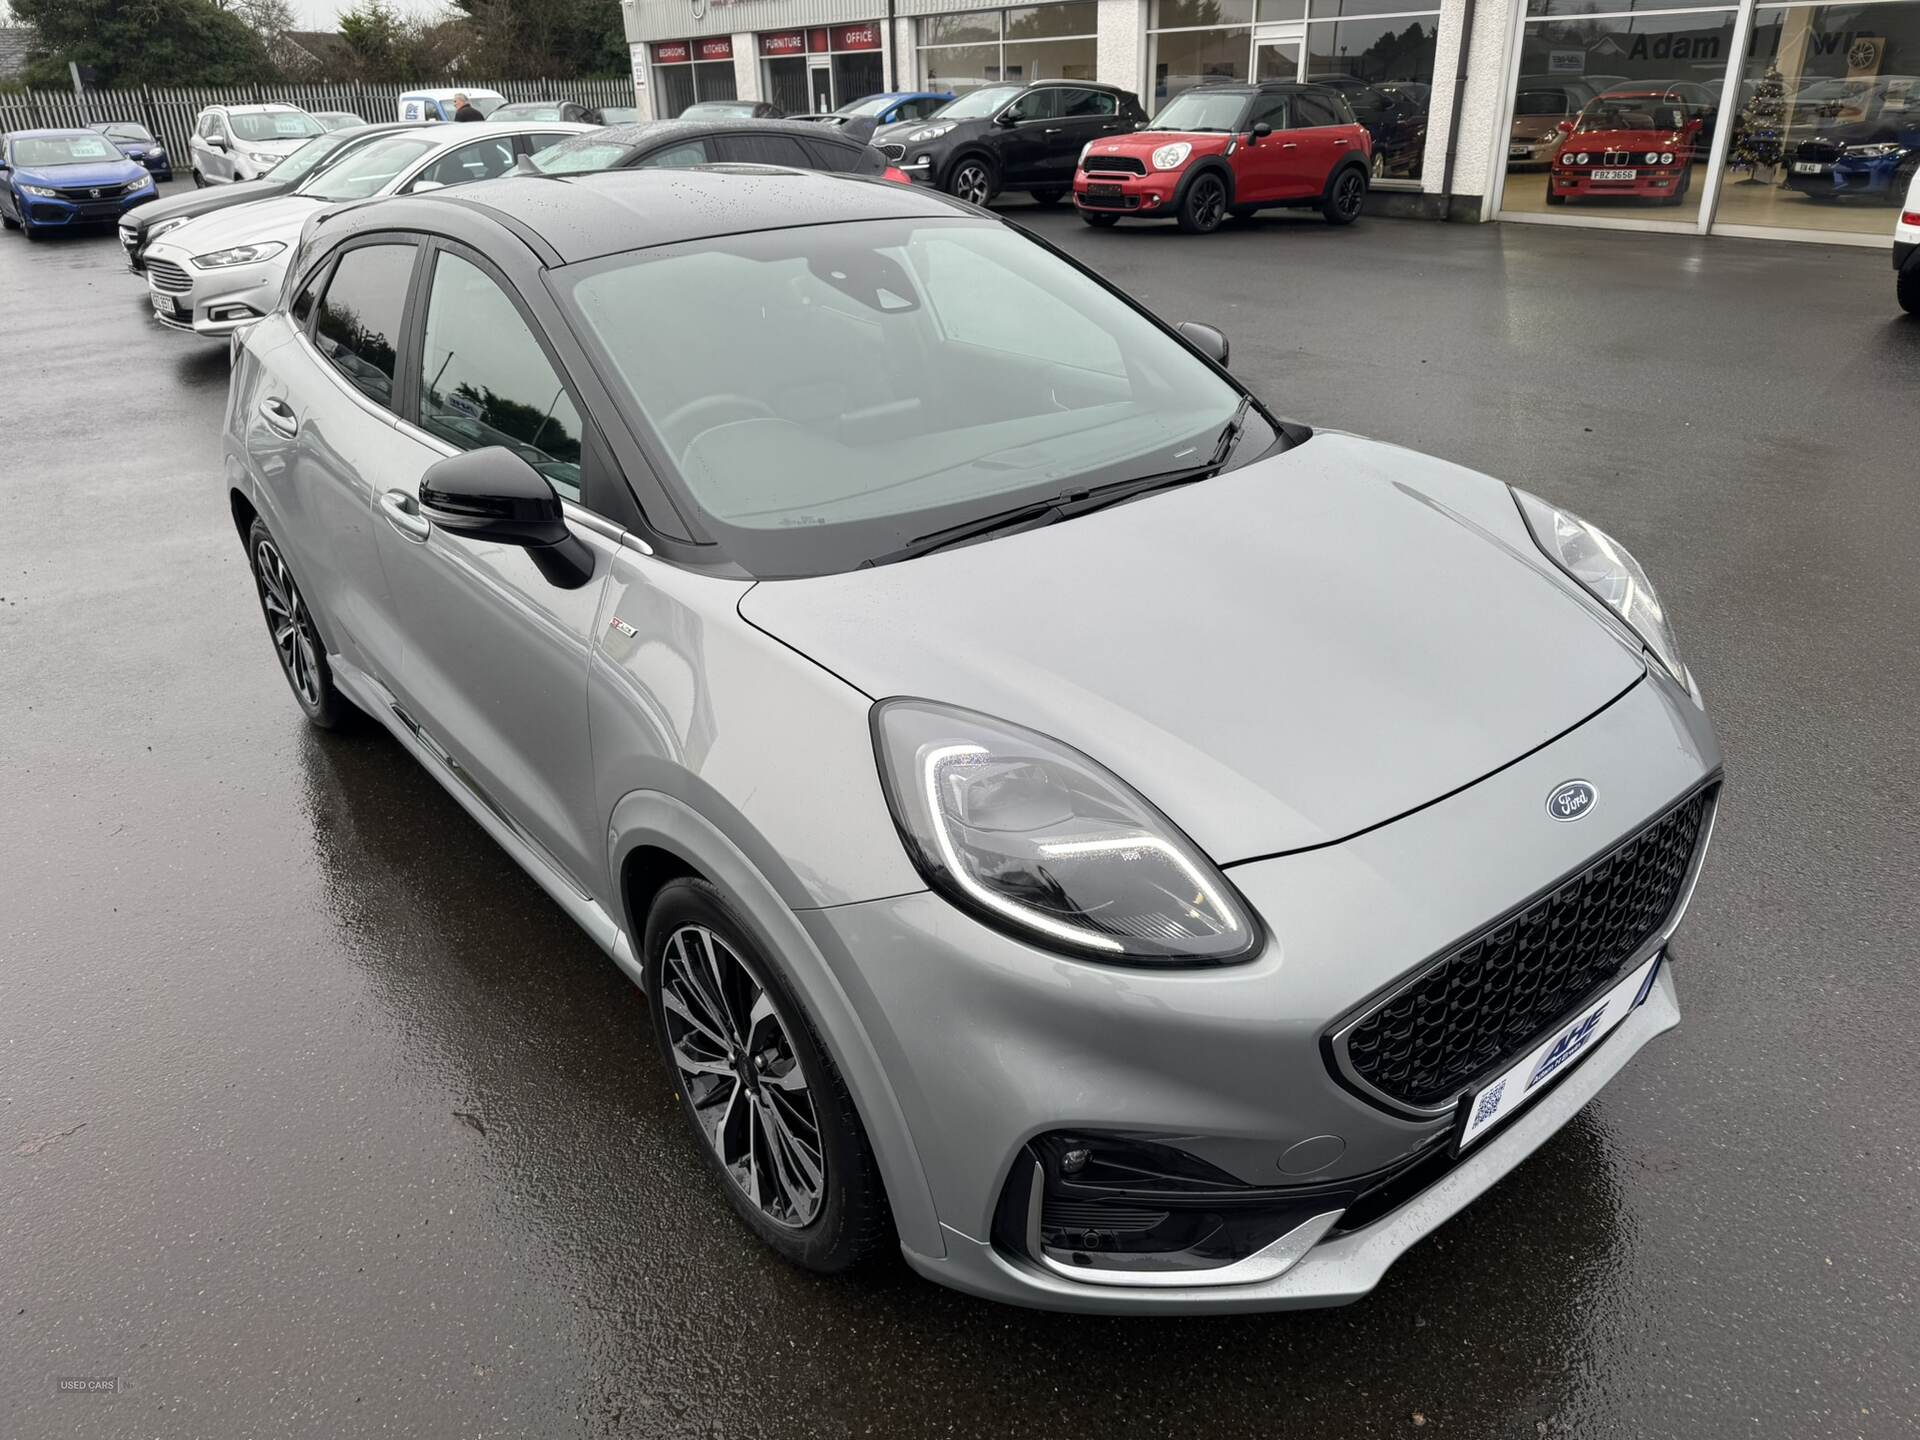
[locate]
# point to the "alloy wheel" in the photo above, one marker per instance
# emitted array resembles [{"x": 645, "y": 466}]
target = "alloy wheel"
[
  {"x": 1379, "y": 166},
  {"x": 289, "y": 623},
  {"x": 1349, "y": 192},
  {"x": 1209, "y": 202},
  {"x": 970, "y": 183},
  {"x": 742, "y": 1077}
]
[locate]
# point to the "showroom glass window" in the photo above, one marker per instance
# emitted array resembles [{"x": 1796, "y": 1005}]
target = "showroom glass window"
[
  {"x": 1377, "y": 53},
  {"x": 688, "y": 71},
  {"x": 1826, "y": 133},
  {"x": 984, "y": 47},
  {"x": 822, "y": 68},
  {"x": 1638, "y": 94}
]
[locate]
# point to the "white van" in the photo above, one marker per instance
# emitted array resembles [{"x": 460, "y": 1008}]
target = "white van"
[{"x": 438, "y": 104}]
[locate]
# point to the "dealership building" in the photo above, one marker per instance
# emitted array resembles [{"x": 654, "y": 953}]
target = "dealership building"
[{"x": 1465, "y": 97}]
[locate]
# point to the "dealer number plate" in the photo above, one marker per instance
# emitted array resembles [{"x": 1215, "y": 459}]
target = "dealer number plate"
[
  {"x": 1104, "y": 190},
  {"x": 1518, "y": 152},
  {"x": 1807, "y": 167},
  {"x": 1548, "y": 1060},
  {"x": 1615, "y": 174},
  {"x": 163, "y": 305}
]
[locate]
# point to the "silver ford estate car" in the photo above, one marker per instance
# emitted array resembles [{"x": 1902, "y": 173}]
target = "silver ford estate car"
[{"x": 1129, "y": 849}]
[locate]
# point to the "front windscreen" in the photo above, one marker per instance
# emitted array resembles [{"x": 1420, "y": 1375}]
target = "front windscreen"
[
  {"x": 1195, "y": 111},
  {"x": 38, "y": 150},
  {"x": 366, "y": 171},
  {"x": 128, "y": 132},
  {"x": 872, "y": 105},
  {"x": 835, "y": 392},
  {"x": 1631, "y": 112},
  {"x": 301, "y": 163},
  {"x": 977, "y": 104},
  {"x": 526, "y": 112},
  {"x": 274, "y": 125}
]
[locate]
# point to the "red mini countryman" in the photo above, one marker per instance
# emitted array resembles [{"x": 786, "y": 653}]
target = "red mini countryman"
[
  {"x": 1628, "y": 144},
  {"x": 1230, "y": 149}
]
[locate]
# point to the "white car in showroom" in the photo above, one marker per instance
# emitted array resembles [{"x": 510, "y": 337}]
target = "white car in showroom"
[
  {"x": 1906, "y": 249},
  {"x": 222, "y": 270}
]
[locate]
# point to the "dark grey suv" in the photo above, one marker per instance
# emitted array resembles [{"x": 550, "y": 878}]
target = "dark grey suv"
[{"x": 1010, "y": 137}]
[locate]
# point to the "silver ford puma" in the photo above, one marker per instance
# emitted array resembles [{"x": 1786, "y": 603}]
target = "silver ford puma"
[{"x": 1127, "y": 849}]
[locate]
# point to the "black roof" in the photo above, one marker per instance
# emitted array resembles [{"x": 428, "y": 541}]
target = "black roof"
[
  {"x": 1073, "y": 84},
  {"x": 605, "y": 212},
  {"x": 1252, "y": 87},
  {"x": 644, "y": 132}
]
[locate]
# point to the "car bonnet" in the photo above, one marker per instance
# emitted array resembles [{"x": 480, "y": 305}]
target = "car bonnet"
[{"x": 1277, "y": 658}]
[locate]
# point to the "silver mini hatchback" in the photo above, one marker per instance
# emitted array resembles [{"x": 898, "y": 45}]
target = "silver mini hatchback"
[{"x": 1128, "y": 849}]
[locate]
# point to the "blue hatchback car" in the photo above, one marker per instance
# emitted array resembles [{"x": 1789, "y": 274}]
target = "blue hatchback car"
[
  {"x": 136, "y": 142},
  {"x": 893, "y": 106},
  {"x": 59, "y": 179}
]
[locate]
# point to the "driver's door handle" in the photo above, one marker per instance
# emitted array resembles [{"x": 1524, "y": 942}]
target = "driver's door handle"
[
  {"x": 1051, "y": 130},
  {"x": 1288, "y": 145},
  {"x": 403, "y": 513},
  {"x": 279, "y": 417}
]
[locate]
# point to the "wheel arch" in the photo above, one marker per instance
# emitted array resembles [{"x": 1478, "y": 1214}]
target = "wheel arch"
[
  {"x": 972, "y": 150},
  {"x": 1208, "y": 165},
  {"x": 1346, "y": 162},
  {"x": 654, "y": 838}
]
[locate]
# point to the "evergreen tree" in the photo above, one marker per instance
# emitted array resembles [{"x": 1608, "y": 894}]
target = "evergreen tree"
[
  {"x": 1757, "y": 139},
  {"x": 140, "y": 42}
]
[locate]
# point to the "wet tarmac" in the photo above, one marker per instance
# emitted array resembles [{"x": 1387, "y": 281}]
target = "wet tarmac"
[{"x": 318, "y": 1119}]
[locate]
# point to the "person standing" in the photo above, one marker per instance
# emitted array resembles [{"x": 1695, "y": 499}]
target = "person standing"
[{"x": 463, "y": 109}]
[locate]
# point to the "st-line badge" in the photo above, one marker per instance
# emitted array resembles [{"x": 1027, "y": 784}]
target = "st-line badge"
[{"x": 1571, "y": 799}]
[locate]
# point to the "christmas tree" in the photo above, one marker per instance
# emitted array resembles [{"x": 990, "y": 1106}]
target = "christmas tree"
[{"x": 1757, "y": 138}]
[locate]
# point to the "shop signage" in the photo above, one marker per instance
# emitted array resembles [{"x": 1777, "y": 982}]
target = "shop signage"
[
  {"x": 783, "y": 42},
  {"x": 855, "y": 37},
  {"x": 672, "y": 52},
  {"x": 718, "y": 47}
]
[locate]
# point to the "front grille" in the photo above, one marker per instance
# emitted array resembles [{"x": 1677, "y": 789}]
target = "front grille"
[
  {"x": 1617, "y": 157},
  {"x": 168, "y": 278},
  {"x": 80, "y": 194},
  {"x": 1079, "y": 1216},
  {"x": 894, "y": 153},
  {"x": 1114, "y": 165},
  {"x": 1819, "y": 152},
  {"x": 1494, "y": 996},
  {"x": 1110, "y": 202}
]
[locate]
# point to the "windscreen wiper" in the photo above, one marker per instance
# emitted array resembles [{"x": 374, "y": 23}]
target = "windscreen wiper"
[{"x": 1020, "y": 517}]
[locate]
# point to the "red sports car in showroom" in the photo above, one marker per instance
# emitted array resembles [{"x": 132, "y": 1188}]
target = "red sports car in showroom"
[
  {"x": 1627, "y": 144},
  {"x": 1230, "y": 149}
]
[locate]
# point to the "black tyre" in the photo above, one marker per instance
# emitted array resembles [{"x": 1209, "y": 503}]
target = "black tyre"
[
  {"x": 1099, "y": 219},
  {"x": 792, "y": 1159},
  {"x": 1044, "y": 198},
  {"x": 296, "y": 642},
  {"x": 8, "y": 222},
  {"x": 971, "y": 179},
  {"x": 28, "y": 231},
  {"x": 1346, "y": 193},
  {"x": 1907, "y": 288},
  {"x": 199, "y": 181},
  {"x": 1680, "y": 191},
  {"x": 1204, "y": 205},
  {"x": 1554, "y": 197}
]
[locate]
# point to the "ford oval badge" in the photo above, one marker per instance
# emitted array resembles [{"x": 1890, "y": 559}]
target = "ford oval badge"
[{"x": 1571, "y": 799}]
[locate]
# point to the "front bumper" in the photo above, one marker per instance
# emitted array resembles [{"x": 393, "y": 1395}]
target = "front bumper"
[
  {"x": 1650, "y": 182},
  {"x": 1526, "y": 154},
  {"x": 1109, "y": 193},
  {"x": 212, "y": 303},
  {"x": 48, "y": 214},
  {"x": 1844, "y": 177},
  {"x": 1229, "y": 1064}
]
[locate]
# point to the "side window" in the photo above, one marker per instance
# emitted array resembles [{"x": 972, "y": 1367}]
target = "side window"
[
  {"x": 1079, "y": 104},
  {"x": 675, "y": 157},
  {"x": 1036, "y": 105},
  {"x": 1316, "y": 109},
  {"x": 534, "y": 144},
  {"x": 358, "y": 328},
  {"x": 484, "y": 379},
  {"x": 310, "y": 292},
  {"x": 1274, "y": 110},
  {"x": 763, "y": 150},
  {"x": 482, "y": 160}
]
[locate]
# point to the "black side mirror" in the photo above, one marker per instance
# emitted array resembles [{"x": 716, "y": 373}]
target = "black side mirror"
[
  {"x": 1261, "y": 131},
  {"x": 1209, "y": 341},
  {"x": 493, "y": 494},
  {"x": 1006, "y": 117}
]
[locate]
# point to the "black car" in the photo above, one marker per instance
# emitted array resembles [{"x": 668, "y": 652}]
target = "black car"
[
  {"x": 1010, "y": 137},
  {"x": 1396, "y": 117},
  {"x": 148, "y": 222},
  {"x": 677, "y": 144},
  {"x": 137, "y": 142}
]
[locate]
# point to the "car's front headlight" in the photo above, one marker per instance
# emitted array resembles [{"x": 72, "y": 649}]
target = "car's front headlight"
[
  {"x": 1172, "y": 157},
  {"x": 239, "y": 255},
  {"x": 928, "y": 132},
  {"x": 261, "y": 157},
  {"x": 154, "y": 232},
  {"x": 1035, "y": 838},
  {"x": 1081, "y": 163},
  {"x": 1605, "y": 568},
  {"x": 1874, "y": 152},
  {"x": 44, "y": 191}
]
